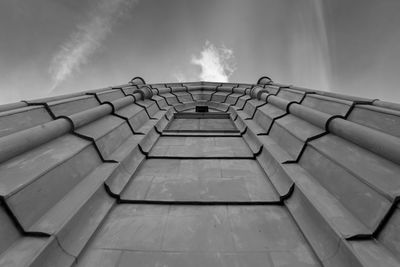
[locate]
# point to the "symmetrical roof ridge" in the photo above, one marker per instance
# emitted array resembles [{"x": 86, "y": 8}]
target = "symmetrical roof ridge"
[
  {"x": 262, "y": 82},
  {"x": 334, "y": 161}
]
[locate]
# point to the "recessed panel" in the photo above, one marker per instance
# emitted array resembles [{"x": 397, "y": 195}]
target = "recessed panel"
[
  {"x": 202, "y": 124},
  {"x": 200, "y": 180},
  {"x": 149, "y": 235},
  {"x": 171, "y": 146}
]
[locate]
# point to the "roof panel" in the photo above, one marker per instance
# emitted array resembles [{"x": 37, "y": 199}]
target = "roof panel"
[{"x": 258, "y": 180}]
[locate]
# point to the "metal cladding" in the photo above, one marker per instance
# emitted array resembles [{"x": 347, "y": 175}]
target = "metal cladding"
[{"x": 270, "y": 175}]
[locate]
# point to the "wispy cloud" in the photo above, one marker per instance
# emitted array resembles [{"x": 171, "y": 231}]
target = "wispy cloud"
[
  {"x": 216, "y": 63},
  {"x": 180, "y": 77},
  {"x": 87, "y": 38}
]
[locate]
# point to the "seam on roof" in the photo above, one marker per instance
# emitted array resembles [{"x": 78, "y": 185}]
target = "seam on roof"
[
  {"x": 237, "y": 115},
  {"x": 200, "y": 202},
  {"x": 176, "y": 111},
  {"x": 303, "y": 148},
  {"x": 245, "y": 102},
  {"x": 359, "y": 237},
  {"x": 289, "y": 193},
  {"x": 279, "y": 88},
  {"x": 45, "y": 105},
  {"x": 288, "y": 106},
  {"x": 16, "y": 222},
  {"x": 275, "y": 170},
  {"x": 143, "y": 152},
  {"x": 158, "y": 106},
  {"x": 216, "y": 90},
  {"x": 273, "y": 121},
  {"x": 335, "y": 252},
  {"x": 187, "y": 90},
  {"x": 244, "y": 131},
  {"x": 256, "y": 154},
  {"x": 95, "y": 96},
  {"x": 166, "y": 117},
  {"x": 157, "y": 131},
  {"x": 386, "y": 218},
  {"x": 165, "y": 99},
  {"x": 129, "y": 124},
  {"x": 376, "y": 189},
  {"x": 374, "y": 100},
  {"x": 172, "y": 97},
  {"x": 226, "y": 97},
  {"x": 108, "y": 130},
  {"x": 293, "y": 219},
  {"x": 331, "y": 119},
  {"x": 384, "y": 194},
  {"x": 69, "y": 120},
  {"x": 134, "y": 97},
  {"x": 111, "y": 193},
  {"x": 111, "y": 105},
  {"x": 281, "y": 116},
  {"x": 200, "y": 158},
  {"x": 352, "y": 106},
  {"x": 305, "y": 95},
  {"x": 119, "y": 88},
  {"x": 199, "y": 135},
  {"x": 52, "y": 167},
  {"x": 227, "y": 109},
  {"x": 201, "y": 131},
  {"x": 256, "y": 108},
  {"x": 221, "y": 94},
  {"x": 145, "y": 109},
  {"x": 237, "y": 99},
  {"x": 168, "y": 123},
  {"x": 355, "y": 104},
  {"x": 179, "y": 101},
  {"x": 182, "y": 94},
  {"x": 233, "y": 88},
  {"x": 64, "y": 250},
  {"x": 93, "y": 142}
]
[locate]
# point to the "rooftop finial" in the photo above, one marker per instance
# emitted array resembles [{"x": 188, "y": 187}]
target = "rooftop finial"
[
  {"x": 264, "y": 80},
  {"x": 137, "y": 80}
]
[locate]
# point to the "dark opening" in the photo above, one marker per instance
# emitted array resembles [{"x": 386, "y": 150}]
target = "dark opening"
[{"x": 201, "y": 108}]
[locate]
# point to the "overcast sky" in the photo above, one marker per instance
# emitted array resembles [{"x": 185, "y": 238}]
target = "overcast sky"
[{"x": 52, "y": 47}]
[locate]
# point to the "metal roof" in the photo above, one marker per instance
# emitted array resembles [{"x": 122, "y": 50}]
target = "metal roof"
[{"x": 132, "y": 175}]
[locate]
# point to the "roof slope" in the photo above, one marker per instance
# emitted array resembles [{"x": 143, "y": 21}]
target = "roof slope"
[{"x": 75, "y": 166}]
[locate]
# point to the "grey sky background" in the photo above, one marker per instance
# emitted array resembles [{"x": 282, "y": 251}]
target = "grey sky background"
[{"x": 52, "y": 47}]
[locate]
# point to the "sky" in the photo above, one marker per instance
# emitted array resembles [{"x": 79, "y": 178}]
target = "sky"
[{"x": 51, "y": 47}]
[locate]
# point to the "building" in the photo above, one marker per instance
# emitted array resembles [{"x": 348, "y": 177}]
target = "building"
[{"x": 200, "y": 174}]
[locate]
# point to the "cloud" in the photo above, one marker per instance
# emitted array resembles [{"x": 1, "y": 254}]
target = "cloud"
[
  {"x": 217, "y": 63},
  {"x": 180, "y": 77},
  {"x": 88, "y": 38}
]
